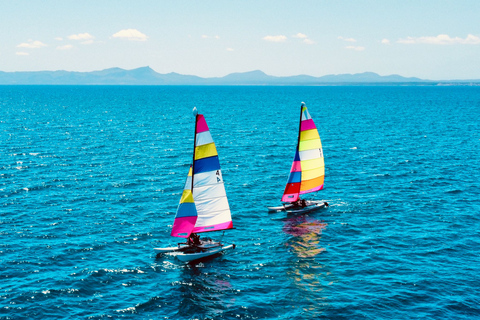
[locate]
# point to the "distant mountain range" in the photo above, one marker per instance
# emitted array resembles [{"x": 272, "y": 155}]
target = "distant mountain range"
[{"x": 147, "y": 76}]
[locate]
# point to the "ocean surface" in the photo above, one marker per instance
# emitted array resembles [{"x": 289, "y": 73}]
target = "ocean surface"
[{"x": 91, "y": 176}]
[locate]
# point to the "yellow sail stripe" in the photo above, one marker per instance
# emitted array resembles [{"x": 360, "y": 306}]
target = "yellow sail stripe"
[
  {"x": 309, "y": 144},
  {"x": 187, "y": 196},
  {"x": 312, "y": 164},
  {"x": 311, "y": 174},
  {"x": 205, "y": 151},
  {"x": 312, "y": 183},
  {"x": 309, "y": 135}
]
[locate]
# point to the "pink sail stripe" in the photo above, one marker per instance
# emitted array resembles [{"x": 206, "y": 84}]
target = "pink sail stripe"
[
  {"x": 312, "y": 190},
  {"x": 296, "y": 167},
  {"x": 291, "y": 197},
  {"x": 201, "y": 124},
  {"x": 220, "y": 226},
  {"x": 182, "y": 227},
  {"x": 307, "y": 125}
]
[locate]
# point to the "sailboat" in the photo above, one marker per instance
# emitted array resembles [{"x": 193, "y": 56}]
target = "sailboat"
[
  {"x": 203, "y": 205},
  {"x": 308, "y": 169}
]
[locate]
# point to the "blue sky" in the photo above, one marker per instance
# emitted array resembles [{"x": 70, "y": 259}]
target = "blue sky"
[{"x": 211, "y": 38}]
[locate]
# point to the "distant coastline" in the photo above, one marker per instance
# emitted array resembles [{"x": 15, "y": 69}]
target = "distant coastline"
[{"x": 147, "y": 76}]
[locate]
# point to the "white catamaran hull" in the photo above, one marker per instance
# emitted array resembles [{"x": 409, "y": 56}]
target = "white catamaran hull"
[
  {"x": 184, "y": 246},
  {"x": 190, "y": 257},
  {"x": 180, "y": 247},
  {"x": 311, "y": 205}
]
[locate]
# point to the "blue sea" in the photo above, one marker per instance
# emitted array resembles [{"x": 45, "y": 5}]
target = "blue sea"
[{"x": 91, "y": 176}]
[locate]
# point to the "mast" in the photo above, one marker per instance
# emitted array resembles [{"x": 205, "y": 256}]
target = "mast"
[
  {"x": 300, "y": 125},
  {"x": 299, "y": 131},
  {"x": 195, "y": 113}
]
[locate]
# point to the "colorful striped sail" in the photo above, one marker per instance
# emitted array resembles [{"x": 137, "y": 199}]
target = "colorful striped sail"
[
  {"x": 186, "y": 211},
  {"x": 308, "y": 168},
  {"x": 204, "y": 206}
]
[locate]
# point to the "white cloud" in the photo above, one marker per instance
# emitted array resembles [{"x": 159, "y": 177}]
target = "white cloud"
[
  {"x": 385, "y": 41},
  {"x": 355, "y": 48},
  {"x": 275, "y": 38},
  {"x": 87, "y": 42},
  {"x": 131, "y": 34},
  {"x": 230, "y": 49},
  {"x": 441, "y": 39},
  {"x": 65, "y": 47},
  {"x": 32, "y": 44},
  {"x": 347, "y": 39},
  {"x": 21, "y": 53},
  {"x": 81, "y": 36},
  {"x": 304, "y": 37},
  {"x": 204, "y": 36},
  {"x": 300, "y": 35},
  {"x": 59, "y": 38}
]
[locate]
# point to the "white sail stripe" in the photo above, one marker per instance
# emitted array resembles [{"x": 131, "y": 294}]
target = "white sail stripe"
[
  {"x": 214, "y": 218},
  {"x": 203, "y": 138},
  {"x": 223, "y": 210},
  {"x": 212, "y": 198},
  {"x": 209, "y": 192},
  {"x": 211, "y": 205},
  {"x": 207, "y": 178},
  {"x": 188, "y": 183},
  {"x": 309, "y": 154},
  {"x": 306, "y": 115},
  {"x": 221, "y": 200},
  {"x": 211, "y": 184}
]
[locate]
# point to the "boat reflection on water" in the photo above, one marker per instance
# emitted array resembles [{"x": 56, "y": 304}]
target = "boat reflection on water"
[
  {"x": 306, "y": 232},
  {"x": 204, "y": 293},
  {"x": 305, "y": 272}
]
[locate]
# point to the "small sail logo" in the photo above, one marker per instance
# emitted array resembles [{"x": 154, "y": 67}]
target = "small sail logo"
[
  {"x": 321, "y": 152},
  {"x": 218, "y": 176}
]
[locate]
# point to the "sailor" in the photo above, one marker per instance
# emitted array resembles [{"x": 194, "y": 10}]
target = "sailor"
[
  {"x": 195, "y": 239},
  {"x": 303, "y": 203}
]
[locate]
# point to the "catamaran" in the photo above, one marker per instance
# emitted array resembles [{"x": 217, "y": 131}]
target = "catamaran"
[
  {"x": 203, "y": 205},
  {"x": 308, "y": 169}
]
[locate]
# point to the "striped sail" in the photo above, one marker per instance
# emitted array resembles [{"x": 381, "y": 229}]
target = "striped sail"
[
  {"x": 186, "y": 211},
  {"x": 308, "y": 168},
  {"x": 204, "y": 206}
]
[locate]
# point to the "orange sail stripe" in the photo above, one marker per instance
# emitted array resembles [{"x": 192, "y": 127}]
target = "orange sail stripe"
[{"x": 310, "y": 184}]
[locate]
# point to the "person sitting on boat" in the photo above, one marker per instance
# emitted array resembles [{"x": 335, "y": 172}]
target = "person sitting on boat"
[
  {"x": 194, "y": 239},
  {"x": 300, "y": 203}
]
